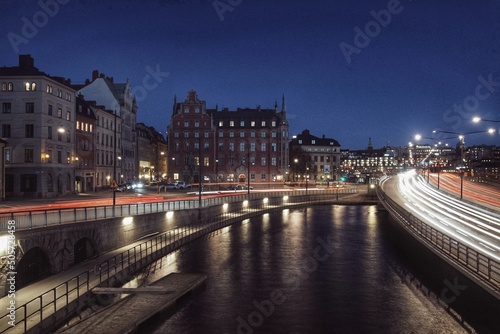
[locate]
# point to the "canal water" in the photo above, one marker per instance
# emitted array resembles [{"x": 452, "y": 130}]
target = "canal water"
[{"x": 324, "y": 269}]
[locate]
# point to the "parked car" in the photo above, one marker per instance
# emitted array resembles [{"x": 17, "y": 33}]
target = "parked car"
[
  {"x": 240, "y": 187},
  {"x": 183, "y": 185},
  {"x": 171, "y": 185},
  {"x": 121, "y": 188}
]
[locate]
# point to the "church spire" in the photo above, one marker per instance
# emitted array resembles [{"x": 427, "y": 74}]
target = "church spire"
[
  {"x": 283, "y": 108},
  {"x": 370, "y": 146},
  {"x": 175, "y": 105}
]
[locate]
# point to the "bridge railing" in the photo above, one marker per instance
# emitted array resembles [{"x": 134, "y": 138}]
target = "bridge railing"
[
  {"x": 51, "y": 308},
  {"x": 480, "y": 265},
  {"x": 45, "y": 218}
]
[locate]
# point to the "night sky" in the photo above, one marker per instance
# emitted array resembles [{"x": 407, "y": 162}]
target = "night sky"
[{"x": 403, "y": 77}]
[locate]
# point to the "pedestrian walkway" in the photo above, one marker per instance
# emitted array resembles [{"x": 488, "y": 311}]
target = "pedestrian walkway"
[{"x": 35, "y": 290}]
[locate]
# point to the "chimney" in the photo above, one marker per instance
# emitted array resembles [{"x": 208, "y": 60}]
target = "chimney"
[
  {"x": 26, "y": 61},
  {"x": 95, "y": 74}
]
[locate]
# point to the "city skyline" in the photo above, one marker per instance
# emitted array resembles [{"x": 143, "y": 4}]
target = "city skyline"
[{"x": 385, "y": 69}]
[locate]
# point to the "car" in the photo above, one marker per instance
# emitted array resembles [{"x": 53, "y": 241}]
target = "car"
[
  {"x": 171, "y": 185},
  {"x": 183, "y": 185},
  {"x": 240, "y": 187},
  {"x": 121, "y": 188}
]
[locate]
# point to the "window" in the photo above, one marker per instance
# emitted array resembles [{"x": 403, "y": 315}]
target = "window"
[
  {"x": 10, "y": 87},
  {"x": 252, "y": 123},
  {"x": 221, "y": 146},
  {"x": 196, "y": 161},
  {"x": 206, "y": 147},
  {"x": 252, "y": 134},
  {"x": 252, "y": 147},
  {"x": 49, "y": 132},
  {"x": 7, "y": 155},
  {"x": 263, "y": 134},
  {"x": 242, "y": 147},
  {"x": 273, "y": 134},
  {"x": 186, "y": 134},
  {"x": 196, "y": 147},
  {"x": 197, "y": 135},
  {"x": 231, "y": 134},
  {"x": 186, "y": 110},
  {"x": 221, "y": 134},
  {"x": 28, "y": 155},
  {"x": 68, "y": 115},
  {"x": 221, "y": 123},
  {"x": 242, "y": 123},
  {"x": 231, "y": 147},
  {"x": 313, "y": 141},
  {"x": 186, "y": 124},
  {"x": 273, "y": 161},
  {"x": 206, "y": 161},
  {"x": 263, "y": 161},
  {"x": 263, "y": 147},
  {"x": 68, "y": 136},
  {"x": 29, "y": 130},
  {"x": 273, "y": 124},
  {"x": 30, "y": 107},
  {"x": 27, "y": 86},
  {"x": 4, "y": 86},
  {"x": 59, "y": 112},
  {"x": 196, "y": 110},
  {"x": 206, "y": 134},
  {"x": 176, "y": 134},
  {"x": 49, "y": 89},
  {"x": 263, "y": 123},
  {"x": 231, "y": 123},
  {"x": 196, "y": 124},
  {"x": 49, "y": 111},
  {"x": 6, "y": 131},
  {"x": 78, "y": 125},
  {"x": 68, "y": 157},
  {"x": 263, "y": 177},
  {"x": 242, "y": 134},
  {"x": 274, "y": 147},
  {"x": 6, "y": 107}
]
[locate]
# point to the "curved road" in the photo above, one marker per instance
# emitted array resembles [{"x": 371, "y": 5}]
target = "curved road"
[{"x": 474, "y": 226}]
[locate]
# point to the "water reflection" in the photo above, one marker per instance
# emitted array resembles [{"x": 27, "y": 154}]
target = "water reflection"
[{"x": 322, "y": 269}]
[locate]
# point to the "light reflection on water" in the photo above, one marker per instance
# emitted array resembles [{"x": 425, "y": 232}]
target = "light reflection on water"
[{"x": 280, "y": 274}]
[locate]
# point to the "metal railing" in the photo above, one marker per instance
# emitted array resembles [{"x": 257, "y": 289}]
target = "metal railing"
[
  {"x": 45, "y": 218},
  {"x": 53, "y": 307},
  {"x": 479, "y": 265}
]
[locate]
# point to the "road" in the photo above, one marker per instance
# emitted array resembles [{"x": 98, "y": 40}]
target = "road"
[
  {"x": 479, "y": 192},
  {"x": 472, "y": 225}
]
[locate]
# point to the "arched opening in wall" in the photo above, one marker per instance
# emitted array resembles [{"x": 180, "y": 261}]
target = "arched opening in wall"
[
  {"x": 84, "y": 250},
  {"x": 50, "y": 184},
  {"x": 34, "y": 266},
  {"x": 68, "y": 183},
  {"x": 242, "y": 178},
  {"x": 60, "y": 184}
]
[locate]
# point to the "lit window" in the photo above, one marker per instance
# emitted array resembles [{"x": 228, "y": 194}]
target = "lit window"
[
  {"x": 221, "y": 123},
  {"x": 231, "y": 123},
  {"x": 252, "y": 123},
  {"x": 242, "y": 123},
  {"x": 263, "y": 123}
]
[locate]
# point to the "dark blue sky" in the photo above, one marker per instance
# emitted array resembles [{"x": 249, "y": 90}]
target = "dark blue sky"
[{"x": 405, "y": 80}]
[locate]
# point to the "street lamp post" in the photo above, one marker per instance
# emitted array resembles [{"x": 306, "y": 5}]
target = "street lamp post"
[
  {"x": 307, "y": 178},
  {"x": 461, "y": 184},
  {"x": 114, "y": 166},
  {"x": 248, "y": 178}
]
